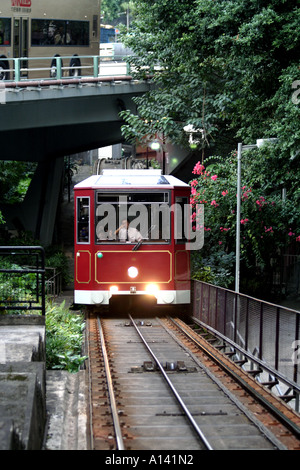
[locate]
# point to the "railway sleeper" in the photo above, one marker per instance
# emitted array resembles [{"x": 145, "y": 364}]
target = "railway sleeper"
[{"x": 176, "y": 366}]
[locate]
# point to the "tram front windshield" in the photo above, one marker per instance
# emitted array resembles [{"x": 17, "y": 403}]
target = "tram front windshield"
[{"x": 131, "y": 217}]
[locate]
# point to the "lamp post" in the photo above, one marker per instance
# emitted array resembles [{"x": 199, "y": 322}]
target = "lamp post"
[{"x": 242, "y": 147}]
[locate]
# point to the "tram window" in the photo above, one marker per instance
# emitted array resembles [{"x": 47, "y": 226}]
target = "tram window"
[
  {"x": 5, "y": 32},
  {"x": 59, "y": 33},
  {"x": 145, "y": 213},
  {"x": 83, "y": 220}
]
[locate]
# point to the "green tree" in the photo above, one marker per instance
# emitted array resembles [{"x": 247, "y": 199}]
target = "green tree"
[
  {"x": 226, "y": 67},
  {"x": 15, "y": 178},
  {"x": 112, "y": 9}
]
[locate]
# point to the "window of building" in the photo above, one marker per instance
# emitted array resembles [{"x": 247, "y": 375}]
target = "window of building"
[
  {"x": 5, "y": 32},
  {"x": 59, "y": 33}
]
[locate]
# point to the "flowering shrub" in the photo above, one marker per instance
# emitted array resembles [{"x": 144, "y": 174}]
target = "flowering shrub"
[{"x": 269, "y": 223}]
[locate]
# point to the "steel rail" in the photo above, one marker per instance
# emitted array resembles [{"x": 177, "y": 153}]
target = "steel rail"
[
  {"x": 177, "y": 396},
  {"x": 113, "y": 405}
]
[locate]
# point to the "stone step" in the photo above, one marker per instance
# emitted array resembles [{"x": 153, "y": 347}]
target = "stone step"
[{"x": 67, "y": 411}]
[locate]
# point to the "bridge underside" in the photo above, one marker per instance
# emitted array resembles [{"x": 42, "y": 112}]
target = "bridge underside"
[
  {"x": 44, "y": 123},
  {"x": 47, "y": 143}
]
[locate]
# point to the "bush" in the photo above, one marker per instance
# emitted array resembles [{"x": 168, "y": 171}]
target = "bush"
[{"x": 64, "y": 336}]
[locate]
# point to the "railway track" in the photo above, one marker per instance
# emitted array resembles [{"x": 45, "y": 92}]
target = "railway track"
[{"x": 152, "y": 388}]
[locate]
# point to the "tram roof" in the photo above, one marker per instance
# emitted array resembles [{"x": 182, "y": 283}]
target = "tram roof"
[{"x": 131, "y": 179}]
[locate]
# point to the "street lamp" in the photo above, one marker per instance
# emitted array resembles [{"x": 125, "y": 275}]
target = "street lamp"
[
  {"x": 159, "y": 144},
  {"x": 241, "y": 147}
]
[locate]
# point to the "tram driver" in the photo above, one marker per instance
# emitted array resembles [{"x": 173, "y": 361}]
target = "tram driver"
[{"x": 125, "y": 232}]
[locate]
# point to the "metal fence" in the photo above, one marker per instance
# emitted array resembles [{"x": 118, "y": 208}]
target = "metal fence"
[
  {"x": 22, "y": 279},
  {"x": 59, "y": 68},
  {"x": 268, "y": 332}
]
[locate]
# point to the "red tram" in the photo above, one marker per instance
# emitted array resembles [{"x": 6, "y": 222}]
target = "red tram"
[{"x": 130, "y": 238}]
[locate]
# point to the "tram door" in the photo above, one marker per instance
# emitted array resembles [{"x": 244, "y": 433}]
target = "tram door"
[{"x": 20, "y": 41}]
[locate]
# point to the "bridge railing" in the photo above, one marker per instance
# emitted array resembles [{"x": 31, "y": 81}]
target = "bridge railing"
[
  {"x": 265, "y": 335},
  {"x": 60, "y": 67}
]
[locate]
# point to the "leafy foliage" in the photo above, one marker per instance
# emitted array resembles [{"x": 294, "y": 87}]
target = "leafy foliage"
[
  {"x": 64, "y": 335},
  {"x": 112, "y": 9},
  {"x": 15, "y": 178},
  {"x": 227, "y": 67},
  {"x": 19, "y": 286}
]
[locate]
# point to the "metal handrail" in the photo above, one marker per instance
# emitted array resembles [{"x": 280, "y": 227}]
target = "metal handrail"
[
  {"x": 243, "y": 322},
  {"x": 95, "y": 66},
  {"x": 37, "y": 300}
]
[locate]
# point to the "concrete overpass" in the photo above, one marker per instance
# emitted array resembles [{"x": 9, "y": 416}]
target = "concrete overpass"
[{"x": 42, "y": 120}]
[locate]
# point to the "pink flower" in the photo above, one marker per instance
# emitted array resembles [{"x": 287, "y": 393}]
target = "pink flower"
[
  {"x": 261, "y": 201},
  {"x": 244, "y": 221},
  {"x": 290, "y": 234},
  {"x": 214, "y": 177},
  {"x": 298, "y": 239},
  {"x": 270, "y": 229},
  {"x": 224, "y": 192},
  {"x": 245, "y": 195},
  {"x": 194, "y": 183},
  {"x": 214, "y": 203},
  {"x": 220, "y": 243},
  {"x": 198, "y": 168}
]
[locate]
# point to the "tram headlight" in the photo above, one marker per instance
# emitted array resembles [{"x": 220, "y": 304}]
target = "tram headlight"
[
  {"x": 113, "y": 289},
  {"x": 132, "y": 272},
  {"x": 152, "y": 289}
]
